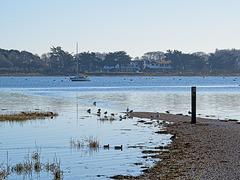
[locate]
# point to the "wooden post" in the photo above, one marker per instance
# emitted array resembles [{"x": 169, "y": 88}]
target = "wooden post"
[{"x": 193, "y": 105}]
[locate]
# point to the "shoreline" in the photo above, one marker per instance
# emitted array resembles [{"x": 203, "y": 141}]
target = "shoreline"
[
  {"x": 209, "y": 149},
  {"x": 121, "y": 74}
]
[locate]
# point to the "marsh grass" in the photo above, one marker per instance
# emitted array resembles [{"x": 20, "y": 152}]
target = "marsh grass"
[
  {"x": 75, "y": 142},
  {"x": 92, "y": 142},
  {"x": 105, "y": 118},
  {"x": 23, "y": 116},
  {"x": 31, "y": 165},
  {"x": 3, "y": 172},
  {"x": 55, "y": 168}
]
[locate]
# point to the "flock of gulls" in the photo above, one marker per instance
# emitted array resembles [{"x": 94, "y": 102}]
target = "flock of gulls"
[{"x": 104, "y": 115}]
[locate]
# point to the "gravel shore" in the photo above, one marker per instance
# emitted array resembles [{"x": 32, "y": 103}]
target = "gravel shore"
[{"x": 209, "y": 149}]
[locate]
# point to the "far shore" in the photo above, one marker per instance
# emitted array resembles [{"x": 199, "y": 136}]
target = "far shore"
[
  {"x": 209, "y": 149},
  {"x": 115, "y": 74}
]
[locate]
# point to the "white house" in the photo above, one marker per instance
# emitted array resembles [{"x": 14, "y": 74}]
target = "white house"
[{"x": 157, "y": 65}]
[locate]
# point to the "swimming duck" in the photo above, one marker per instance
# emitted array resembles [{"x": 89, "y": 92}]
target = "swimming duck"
[
  {"x": 106, "y": 146},
  {"x": 118, "y": 147}
]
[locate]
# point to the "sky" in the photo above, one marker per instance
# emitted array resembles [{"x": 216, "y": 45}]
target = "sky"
[{"x": 134, "y": 26}]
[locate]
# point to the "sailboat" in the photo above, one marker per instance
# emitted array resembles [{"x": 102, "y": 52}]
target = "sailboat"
[{"x": 79, "y": 77}]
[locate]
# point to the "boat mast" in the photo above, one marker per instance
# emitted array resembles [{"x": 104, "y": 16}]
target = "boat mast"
[{"x": 76, "y": 56}]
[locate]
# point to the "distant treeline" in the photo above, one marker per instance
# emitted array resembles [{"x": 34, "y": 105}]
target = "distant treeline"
[{"x": 60, "y": 62}]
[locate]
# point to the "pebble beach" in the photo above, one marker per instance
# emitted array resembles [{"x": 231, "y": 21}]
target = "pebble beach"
[{"x": 209, "y": 149}]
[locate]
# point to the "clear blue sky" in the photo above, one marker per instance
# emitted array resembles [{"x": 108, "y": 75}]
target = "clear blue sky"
[{"x": 135, "y": 26}]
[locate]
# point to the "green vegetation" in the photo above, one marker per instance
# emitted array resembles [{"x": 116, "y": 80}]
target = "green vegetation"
[{"x": 23, "y": 116}]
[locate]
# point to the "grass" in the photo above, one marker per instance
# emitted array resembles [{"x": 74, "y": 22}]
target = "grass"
[
  {"x": 92, "y": 142},
  {"x": 75, "y": 142},
  {"x": 3, "y": 173},
  {"x": 105, "y": 118},
  {"x": 23, "y": 116},
  {"x": 32, "y": 165}
]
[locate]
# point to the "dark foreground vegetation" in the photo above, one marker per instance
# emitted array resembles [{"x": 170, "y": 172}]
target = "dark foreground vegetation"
[
  {"x": 32, "y": 165},
  {"x": 60, "y": 62}
]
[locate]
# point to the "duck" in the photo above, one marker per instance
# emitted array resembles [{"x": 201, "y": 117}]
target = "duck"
[
  {"x": 118, "y": 147},
  {"x": 106, "y": 146},
  {"x": 173, "y": 137},
  {"x": 105, "y": 112},
  {"x": 95, "y": 103},
  {"x": 89, "y": 110}
]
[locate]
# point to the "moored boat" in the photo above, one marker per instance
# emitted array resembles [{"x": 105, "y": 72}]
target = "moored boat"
[{"x": 80, "y": 78}]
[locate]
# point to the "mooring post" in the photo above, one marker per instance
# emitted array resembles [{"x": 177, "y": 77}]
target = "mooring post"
[{"x": 193, "y": 105}]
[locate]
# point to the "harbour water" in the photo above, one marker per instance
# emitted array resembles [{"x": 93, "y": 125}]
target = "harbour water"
[{"x": 217, "y": 97}]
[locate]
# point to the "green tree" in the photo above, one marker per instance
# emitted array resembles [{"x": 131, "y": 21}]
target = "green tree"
[
  {"x": 198, "y": 62},
  {"x": 177, "y": 59},
  {"x": 88, "y": 61},
  {"x": 223, "y": 62},
  {"x": 60, "y": 61},
  {"x": 119, "y": 57},
  {"x": 4, "y": 62}
]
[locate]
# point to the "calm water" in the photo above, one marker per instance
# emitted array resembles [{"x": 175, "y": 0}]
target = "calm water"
[{"x": 216, "y": 96}]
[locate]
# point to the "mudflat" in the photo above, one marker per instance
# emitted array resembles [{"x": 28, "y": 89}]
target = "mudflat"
[{"x": 209, "y": 149}]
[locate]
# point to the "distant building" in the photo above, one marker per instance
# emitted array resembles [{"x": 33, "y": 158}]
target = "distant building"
[
  {"x": 115, "y": 68},
  {"x": 156, "y": 66},
  {"x": 140, "y": 66},
  {"x": 132, "y": 67}
]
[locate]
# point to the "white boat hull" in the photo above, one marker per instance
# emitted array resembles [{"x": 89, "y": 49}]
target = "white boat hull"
[{"x": 79, "y": 78}]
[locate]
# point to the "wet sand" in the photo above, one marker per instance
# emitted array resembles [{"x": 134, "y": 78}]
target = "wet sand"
[{"x": 209, "y": 149}]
